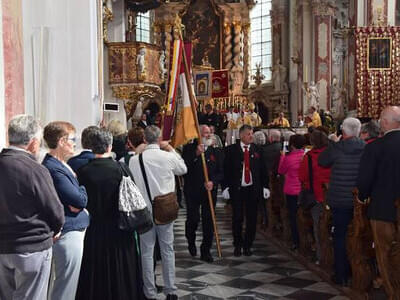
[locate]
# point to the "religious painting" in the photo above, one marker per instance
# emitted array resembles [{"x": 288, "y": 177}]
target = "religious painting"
[
  {"x": 202, "y": 28},
  {"x": 202, "y": 81},
  {"x": 379, "y": 53},
  {"x": 220, "y": 84}
]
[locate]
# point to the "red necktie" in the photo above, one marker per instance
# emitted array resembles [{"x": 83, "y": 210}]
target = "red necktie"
[{"x": 246, "y": 164}]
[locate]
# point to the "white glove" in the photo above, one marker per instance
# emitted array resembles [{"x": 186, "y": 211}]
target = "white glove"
[
  {"x": 267, "y": 193},
  {"x": 225, "y": 194}
]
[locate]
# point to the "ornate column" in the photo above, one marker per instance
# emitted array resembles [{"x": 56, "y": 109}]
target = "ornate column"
[
  {"x": 246, "y": 55},
  {"x": 323, "y": 14},
  {"x": 157, "y": 27},
  {"x": 168, "y": 41},
  {"x": 227, "y": 45},
  {"x": 237, "y": 68}
]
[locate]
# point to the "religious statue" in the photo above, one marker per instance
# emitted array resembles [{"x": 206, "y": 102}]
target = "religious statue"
[
  {"x": 137, "y": 115},
  {"x": 279, "y": 73},
  {"x": 312, "y": 94},
  {"x": 258, "y": 77},
  {"x": 205, "y": 61},
  {"x": 140, "y": 62},
  {"x": 338, "y": 94},
  {"x": 161, "y": 61}
]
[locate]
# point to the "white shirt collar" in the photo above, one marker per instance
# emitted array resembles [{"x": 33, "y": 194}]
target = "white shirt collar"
[
  {"x": 396, "y": 129},
  {"x": 152, "y": 146},
  {"x": 242, "y": 145}
]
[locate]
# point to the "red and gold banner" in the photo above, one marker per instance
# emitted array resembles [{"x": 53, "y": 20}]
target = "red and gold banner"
[
  {"x": 377, "y": 69},
  {"x": 220, "y": 84}
]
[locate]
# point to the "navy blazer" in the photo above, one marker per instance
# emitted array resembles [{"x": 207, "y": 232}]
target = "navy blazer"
[
  {"x": 80, "y": 160},
  {"x": 69, "y": 192}
]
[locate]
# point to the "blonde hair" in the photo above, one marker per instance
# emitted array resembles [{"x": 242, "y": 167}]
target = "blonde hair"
[{"x": 116, "y": 128}]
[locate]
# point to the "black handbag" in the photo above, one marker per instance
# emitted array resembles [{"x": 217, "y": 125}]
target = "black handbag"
[
  {"x": 307, "y": 197},
  {"x": 133, "y": 213}
]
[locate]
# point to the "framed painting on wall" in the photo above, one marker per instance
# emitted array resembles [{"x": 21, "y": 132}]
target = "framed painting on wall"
[
  {"x": 202, "y": 80},
  {"x": 379, "y": 53}
]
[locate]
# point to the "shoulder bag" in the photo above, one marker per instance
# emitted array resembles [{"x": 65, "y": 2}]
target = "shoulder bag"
[
  {"x": 165, "y": 207},
  {"x": 133, "y": 213},
  {"x": 306, "y": 197}
]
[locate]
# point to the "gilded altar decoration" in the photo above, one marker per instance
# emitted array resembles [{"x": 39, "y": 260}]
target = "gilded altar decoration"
[
  {"x": 202, "y": 24},
  {"x": 134, "y": 62},
  {"x": 258, "y": 77},
  {"x": 377, "y": 69},
  {"x": 107, "y": 17}
]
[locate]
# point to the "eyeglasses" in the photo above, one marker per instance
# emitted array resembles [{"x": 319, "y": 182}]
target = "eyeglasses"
[{"x": 72, "y": 139}]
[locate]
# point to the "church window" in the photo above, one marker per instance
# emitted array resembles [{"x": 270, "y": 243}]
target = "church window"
[
  {"x": 143, "y": 27},
  {"x": 261, "y": 42}
]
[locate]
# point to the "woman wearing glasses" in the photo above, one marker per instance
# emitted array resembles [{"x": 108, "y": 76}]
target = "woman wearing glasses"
[{"x": 68, "y": 249}]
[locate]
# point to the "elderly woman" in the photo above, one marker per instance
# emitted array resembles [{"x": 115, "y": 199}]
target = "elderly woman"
[
  {"x": 67, "y": 251},
  {"x": 110, "y": 267},
  {"x": 319, "y": 141},
  {"x": 289, "y": 166}
]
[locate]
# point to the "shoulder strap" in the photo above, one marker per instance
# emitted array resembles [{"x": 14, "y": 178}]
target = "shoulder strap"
[
  {"x": 125, "y": 170},
  {"x": 144, "y": 176},
  {"x": 310, "y": 173}
]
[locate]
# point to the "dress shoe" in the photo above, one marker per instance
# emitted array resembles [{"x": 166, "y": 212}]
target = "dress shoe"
[
  {"x": 172, "y": 297},
  {"x": 207, "y": 257},
  {"x": 237, "y": 252},
  {"x": 247, "y": 252},
  {"x": 192, "y": 250}
]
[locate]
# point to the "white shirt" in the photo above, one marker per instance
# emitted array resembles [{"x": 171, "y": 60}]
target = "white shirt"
[
  {"x": 161, "y": 168},
  {"x": 251, "y": 177}
]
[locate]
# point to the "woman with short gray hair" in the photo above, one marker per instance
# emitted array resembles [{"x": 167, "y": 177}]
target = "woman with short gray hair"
[
  {"x": 370, "y": 131},
  {"x": 259, "y": 138},
  {"x": 108, "y": 251}
]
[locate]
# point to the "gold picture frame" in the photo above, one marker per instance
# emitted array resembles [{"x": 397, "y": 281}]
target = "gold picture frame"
[{"x": 379, "y": 53}]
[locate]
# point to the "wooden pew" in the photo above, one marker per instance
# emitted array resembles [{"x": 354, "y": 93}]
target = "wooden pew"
[
  {"x": 325, "y": 235},
  {"x": 360, "y": 250},
  {"x": 305, "y": 228}
]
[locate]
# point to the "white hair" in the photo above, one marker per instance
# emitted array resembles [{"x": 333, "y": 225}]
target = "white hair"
[
  {"x": 259, "y": 138},
  {"x": 22, "y": 129},
  {"x": 274, "y": 135},
  {"x": 351, "y": 127}
]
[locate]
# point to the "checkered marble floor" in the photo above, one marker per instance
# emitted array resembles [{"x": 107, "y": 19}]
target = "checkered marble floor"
[{"x": 268, "y": 274}]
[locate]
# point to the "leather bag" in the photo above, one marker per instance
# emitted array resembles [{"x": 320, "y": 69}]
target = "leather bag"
[{"x": 165, "y": 207}]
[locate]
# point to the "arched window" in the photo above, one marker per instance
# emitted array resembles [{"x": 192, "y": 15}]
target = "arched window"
[
  {"x": 261, "y": 42},
  {"x": 143, "y": 27}
]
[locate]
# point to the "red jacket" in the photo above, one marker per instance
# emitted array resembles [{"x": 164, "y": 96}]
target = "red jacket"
[{"x": 321, "y": 175}]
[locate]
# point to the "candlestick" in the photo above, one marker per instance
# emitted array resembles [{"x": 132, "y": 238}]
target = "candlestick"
[{"x": 305, "y": 75}]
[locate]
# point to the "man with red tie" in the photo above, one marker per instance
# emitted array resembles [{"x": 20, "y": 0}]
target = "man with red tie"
[{"x": 247, "y": 182}]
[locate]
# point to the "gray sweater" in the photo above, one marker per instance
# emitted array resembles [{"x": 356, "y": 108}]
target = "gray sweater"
[{"x": 344, "y": 158}]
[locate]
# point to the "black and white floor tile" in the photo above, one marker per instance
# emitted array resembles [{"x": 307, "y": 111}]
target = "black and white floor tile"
[{"x": 267, "y": 274}]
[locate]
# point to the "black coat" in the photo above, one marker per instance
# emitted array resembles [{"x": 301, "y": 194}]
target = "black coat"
[
  {"x": 30, "y": 211},
  {"x": 110, "y": 266},
  {"x": 233, "y": 168},
  {"x": 194, "y": 178},
  {"x": 80, "y": 160},
  {"x": 344, "y": 158},
  {"x": 210, "y": 119},
  {"x": 379, "y": 176},
  {"x": 271, "y": 155}
]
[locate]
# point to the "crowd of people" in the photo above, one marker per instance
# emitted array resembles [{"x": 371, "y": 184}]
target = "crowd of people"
[{"x": 59, "y": 218}]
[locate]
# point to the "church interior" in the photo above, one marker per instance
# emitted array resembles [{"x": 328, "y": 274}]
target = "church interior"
[{"x": 92, "y": 62}]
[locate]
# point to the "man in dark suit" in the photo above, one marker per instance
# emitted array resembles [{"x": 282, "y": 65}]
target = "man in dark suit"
[
  {"x": 209, "y": 117},
  {"x": 143, "y": 122},
  {"x": 86, "y": 155},
  {"x": 196, "y": 190},
  {"x": 379, "y": 180},
  {"x": 247, "y": 181}
]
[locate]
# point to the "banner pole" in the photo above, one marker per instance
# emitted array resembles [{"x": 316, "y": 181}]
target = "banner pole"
[{"x": 203, "y": 160}]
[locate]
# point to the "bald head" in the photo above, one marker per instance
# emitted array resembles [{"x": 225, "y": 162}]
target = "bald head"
[{"x": 390, "y": 118}]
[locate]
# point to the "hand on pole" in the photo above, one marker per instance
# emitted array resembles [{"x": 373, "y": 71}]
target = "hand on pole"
[
  {"x": 209, "y": 185},
  {"x": 200, "y": 149}
]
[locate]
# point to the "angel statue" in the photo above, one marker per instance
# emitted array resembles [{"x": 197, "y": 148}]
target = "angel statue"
[
  {"x": 161, "y": 61},
  {"x": 338, "y": 94},
  {"x": 312, "y": 94},
  {"x": 140, "y": 62},
  {"x": 278, "y": 76}
]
